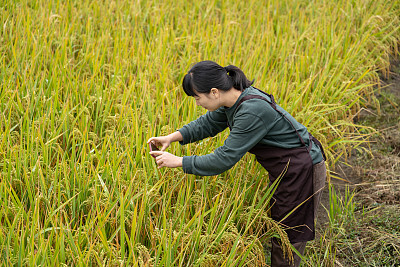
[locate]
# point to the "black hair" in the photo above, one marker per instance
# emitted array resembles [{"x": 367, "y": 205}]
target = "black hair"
[{"x": 205, "y": 75}]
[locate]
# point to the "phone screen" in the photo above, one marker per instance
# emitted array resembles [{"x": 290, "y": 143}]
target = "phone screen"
[{"x": 153, "y": 147}]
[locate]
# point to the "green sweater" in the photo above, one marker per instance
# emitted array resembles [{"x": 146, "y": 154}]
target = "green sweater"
[{"x": 254, "y": 122}]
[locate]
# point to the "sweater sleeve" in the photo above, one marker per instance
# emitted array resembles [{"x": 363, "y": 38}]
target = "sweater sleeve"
[
  {"x": 247, "y": 131},
  {"x": 207, "y": 125}
]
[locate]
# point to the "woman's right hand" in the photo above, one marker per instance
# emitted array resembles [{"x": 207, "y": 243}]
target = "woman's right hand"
[{"x": 160, "y": 141}]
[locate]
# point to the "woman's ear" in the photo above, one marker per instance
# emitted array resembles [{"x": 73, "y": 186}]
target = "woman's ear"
[{"x": 214, "y": 92}]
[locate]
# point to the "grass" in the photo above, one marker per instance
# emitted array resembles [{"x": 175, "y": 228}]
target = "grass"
[
  {"x": 357, "y": 235},
  {"x": 86, "y": 83}
]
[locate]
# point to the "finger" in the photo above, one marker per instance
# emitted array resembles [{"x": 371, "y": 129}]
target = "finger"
[
  {"x": 153, "y": 140},
  {"x": 156, "y": 153},
  {"x": 160, "y": 165},
  {"x": 160, "y": 162}
]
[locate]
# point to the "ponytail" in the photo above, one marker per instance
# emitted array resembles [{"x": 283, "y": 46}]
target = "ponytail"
[
  {"x": 239, "y": 80},
  {"x": 205, "y": 75}
]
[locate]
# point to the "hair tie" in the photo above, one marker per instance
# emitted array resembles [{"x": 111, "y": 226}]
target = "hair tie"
[{"x": 225, "y": 68}]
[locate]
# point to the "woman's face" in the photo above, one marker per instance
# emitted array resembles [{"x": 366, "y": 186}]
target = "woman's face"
[{"x": 209, "y": 101}]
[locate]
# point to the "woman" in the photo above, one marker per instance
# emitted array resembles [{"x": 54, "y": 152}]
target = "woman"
[{"x": 259, "y": 126}]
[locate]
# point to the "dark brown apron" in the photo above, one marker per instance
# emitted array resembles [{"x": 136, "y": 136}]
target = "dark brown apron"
[{"x": 295, "y": 190}]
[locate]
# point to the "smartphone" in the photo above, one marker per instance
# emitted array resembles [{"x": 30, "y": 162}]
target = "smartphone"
[{"x": 153, "y": 147}]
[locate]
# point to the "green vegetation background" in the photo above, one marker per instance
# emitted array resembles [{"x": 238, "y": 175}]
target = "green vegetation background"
[{"x": 84, "y": 84}]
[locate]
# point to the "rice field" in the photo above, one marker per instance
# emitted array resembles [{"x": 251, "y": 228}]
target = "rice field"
[{"x": 84, "y": 84}]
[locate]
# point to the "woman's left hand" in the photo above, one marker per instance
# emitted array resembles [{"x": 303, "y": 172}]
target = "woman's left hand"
[{"x": 165, "y": 159}]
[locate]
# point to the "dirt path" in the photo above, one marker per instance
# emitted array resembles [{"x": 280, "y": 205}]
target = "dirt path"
[{"x": 375, "y": 174}]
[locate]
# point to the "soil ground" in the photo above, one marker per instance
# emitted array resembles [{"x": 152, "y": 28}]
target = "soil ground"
[{"x": 366, "y": 230}]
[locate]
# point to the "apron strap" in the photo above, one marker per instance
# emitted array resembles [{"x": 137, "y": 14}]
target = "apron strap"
[{"x": 273, "y": 105}]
